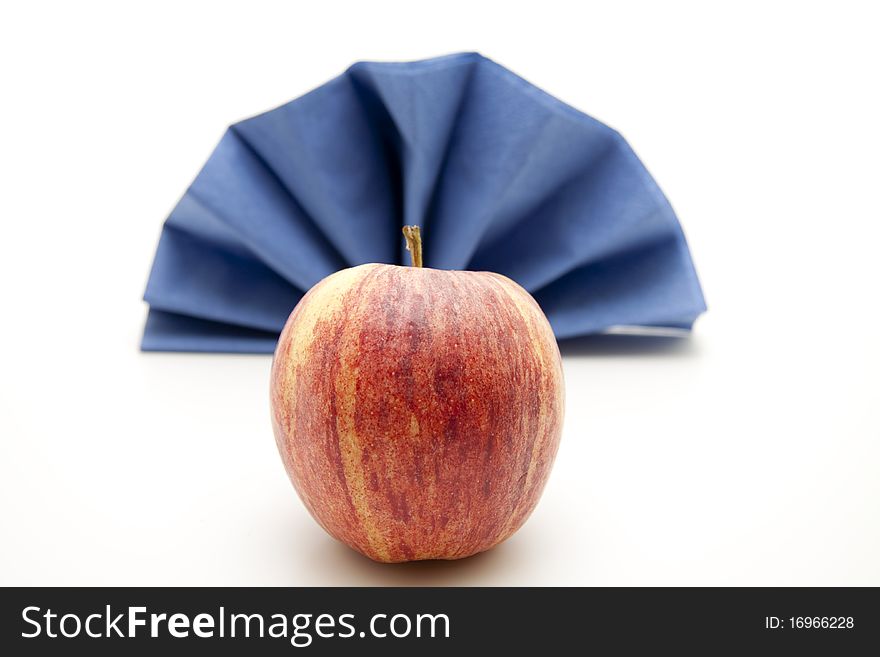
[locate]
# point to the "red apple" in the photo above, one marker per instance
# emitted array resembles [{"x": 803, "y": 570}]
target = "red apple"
[{"x": 417, "y": 411}]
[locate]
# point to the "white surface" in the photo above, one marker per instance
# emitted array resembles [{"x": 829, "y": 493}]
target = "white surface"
[{"x": 750, "y": 455}]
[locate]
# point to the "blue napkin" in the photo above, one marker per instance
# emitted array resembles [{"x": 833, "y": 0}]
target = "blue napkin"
[{"x": 499, "y": 175}]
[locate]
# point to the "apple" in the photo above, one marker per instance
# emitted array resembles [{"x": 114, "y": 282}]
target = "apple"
[{"x": 417, "y": 411}]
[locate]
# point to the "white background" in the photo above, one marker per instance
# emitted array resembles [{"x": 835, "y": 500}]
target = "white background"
[{"x": 749, "y": 454}]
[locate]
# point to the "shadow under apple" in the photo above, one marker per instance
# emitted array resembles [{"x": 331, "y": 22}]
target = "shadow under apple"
[{"x": 331, "y": 563}]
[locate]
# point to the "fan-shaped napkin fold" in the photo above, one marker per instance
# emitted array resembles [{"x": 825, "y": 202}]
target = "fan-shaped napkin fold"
[{"x": 500, "y": 176}]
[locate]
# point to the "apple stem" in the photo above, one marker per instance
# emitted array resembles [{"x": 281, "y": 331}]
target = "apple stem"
[{"x": 413, "y": 244}]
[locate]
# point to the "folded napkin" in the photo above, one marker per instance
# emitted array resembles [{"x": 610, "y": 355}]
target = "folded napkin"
[{"x": 499, "y": 175}]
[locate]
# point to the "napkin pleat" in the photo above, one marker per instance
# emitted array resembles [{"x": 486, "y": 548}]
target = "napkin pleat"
[
  {"x": 172, "y": 332},
  {"x": 639, "y": 287},
  {"x": 491, "y": 153},
  {"x": 604, "y": 211},
  {"x": 314, "y": 143},
  {"x": 195, "y": 219},
  {"x": 424, "y": 111},
  {"x": 241, "y": 189},
  {"x": 558, "y": 164},
  {"x": 202, "y": 280}
]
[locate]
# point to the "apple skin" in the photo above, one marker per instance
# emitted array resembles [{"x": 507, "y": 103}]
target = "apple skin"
[{"x": 417, "y": 411}]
